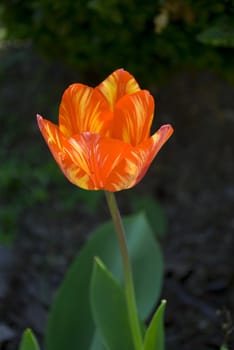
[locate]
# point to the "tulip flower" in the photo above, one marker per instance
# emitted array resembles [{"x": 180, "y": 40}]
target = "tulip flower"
[{"x": 103, "y": 138}]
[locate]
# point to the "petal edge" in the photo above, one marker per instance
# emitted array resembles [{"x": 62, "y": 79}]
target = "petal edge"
[{"x": 116, "y": 85}]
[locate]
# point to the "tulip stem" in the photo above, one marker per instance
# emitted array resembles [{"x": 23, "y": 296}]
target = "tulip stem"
[{"x": 129, "y": 287}]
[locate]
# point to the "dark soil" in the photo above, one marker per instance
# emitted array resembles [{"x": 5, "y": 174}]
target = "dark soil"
[{"x": 193, "y": 177}]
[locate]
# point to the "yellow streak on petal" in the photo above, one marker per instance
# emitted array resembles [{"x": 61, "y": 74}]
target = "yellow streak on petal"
[
  {"x": 116, "y": 85},
  {"x": 124, "y": 176},
  {"x": 64, "y": 154},
  {"x": 109, "y": 89},
  {"x": 81, "y": 181},
  {"x": 52, "y": 136},
  {"x": 133, "y": 116},
  {"x": 78, "y": 153},
  {"x": 83, "y": 109}
]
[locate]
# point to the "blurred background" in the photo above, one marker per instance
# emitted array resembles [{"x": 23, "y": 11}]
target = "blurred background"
[{"x": 180, "y": 50}]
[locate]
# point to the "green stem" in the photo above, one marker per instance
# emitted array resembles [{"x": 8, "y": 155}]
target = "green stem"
[{"x": 129, "y": 287}]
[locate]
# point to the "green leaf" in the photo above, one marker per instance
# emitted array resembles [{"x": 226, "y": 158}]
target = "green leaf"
[
  {"x": 70, "y": 323},
  {"x": 223, "y": 347},
  {"x": 220, "y": 34},
  {"x": 97, "y": 343},
  {"x": 154, "y": 336},
  {"x": 109, "y": 309},
  {"x": 28, "y": 341},
  {"x": 154, "y": 213}
]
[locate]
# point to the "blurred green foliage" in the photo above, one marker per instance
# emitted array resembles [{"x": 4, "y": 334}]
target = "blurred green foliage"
[
  {"x": 29, "y": 177},
  {"x": 152, "y": 39},
  {"x": 26, "y": 182},
  {"x": 97, "y": 36},
  {"x": 153, "y": 211},
  {"x": 221, "y": 33}
]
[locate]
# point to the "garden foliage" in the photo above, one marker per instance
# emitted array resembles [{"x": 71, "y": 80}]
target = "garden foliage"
[
  {"x": 89, "y": 311},
  {"x": 97, "y": 36}
]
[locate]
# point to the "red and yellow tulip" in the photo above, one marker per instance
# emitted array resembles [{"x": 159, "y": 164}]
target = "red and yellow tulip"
[{"x": 103, "y": 138}]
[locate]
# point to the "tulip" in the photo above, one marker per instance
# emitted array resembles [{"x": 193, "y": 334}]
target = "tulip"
[{"x": 103, "y": 138}]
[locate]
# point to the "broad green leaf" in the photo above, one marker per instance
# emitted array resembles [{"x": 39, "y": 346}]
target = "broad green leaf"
[
  {"x": 223, "y": 347},
  {"x": 154, "y": 213},
  {"x": 70, "y": 323},
  {"x": 97, "y": 343},
  {"x": 28, "y": 341},
  {"x": 154, "y": 336},
  {"x": 109, "y": 309}
]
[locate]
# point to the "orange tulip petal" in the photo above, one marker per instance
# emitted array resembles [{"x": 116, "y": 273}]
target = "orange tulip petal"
[
  {"x": 116, "y": 85},
  {"x": 124, "y": 174},
  {"x": 133, "y": 116},
  {"x": 83, "y": 109},
  {"x": 146, "y": 152},
  {"x": 103, "y": 138},
  {"x": 58, "y": 146},
  {"x": 52, "y": 136},
  {"x": 134, "y": 165},
  {"x": 97, "y": 156}
]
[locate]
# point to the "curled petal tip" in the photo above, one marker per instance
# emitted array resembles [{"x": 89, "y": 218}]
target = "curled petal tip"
[
  {"x": 167, "y": 129},
  {"x": 39, "y": 119}
]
